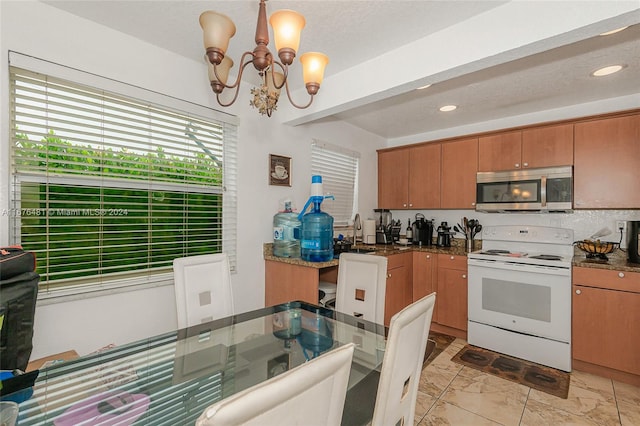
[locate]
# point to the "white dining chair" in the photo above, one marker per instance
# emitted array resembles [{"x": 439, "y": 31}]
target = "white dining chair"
[
  {"x": 362, "y": 280},
  {"x": 202, "y": 288},
  {"x": 310, "y": 394},
  {"x": 402, "y": 364}
]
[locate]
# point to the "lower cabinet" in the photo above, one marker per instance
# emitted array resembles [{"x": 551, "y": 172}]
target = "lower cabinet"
[
  {"x": 451, "y": 299},
  {"x": 399, "y": 292},
  {"x": 425, "y": 274},
  {"x": 606, "y": 318}
]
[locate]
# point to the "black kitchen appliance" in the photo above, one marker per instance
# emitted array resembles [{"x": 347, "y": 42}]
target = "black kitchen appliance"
[
  {"x": 444, "y": 235},
  {"x": 633, "y": 240},
  {"x": 422, "y": 231}
]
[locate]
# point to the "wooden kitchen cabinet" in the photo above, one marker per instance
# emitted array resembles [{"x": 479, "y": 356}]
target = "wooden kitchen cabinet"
[
  {"x": 285, "y": 282},
  {"x": 409, "y": 178},
  {"x": 606, "y": 314},
  {"x": 451, "y": 299},
  {"x": 607, "y": 160},
  {"x": 398, "y": 292},
  {"x": 546, "y": 146},
  {"x": 393, "y": 179},
  {"x": 425, "y": 274},
  {"x": 458, "y": 178}
]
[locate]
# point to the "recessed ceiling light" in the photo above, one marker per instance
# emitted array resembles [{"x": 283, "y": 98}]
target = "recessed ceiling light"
[
  {"x": 614, "y": 31},
  {"x": 607, "y": 70},
  {"x": 423, "y": 87},
  {"x": 448, "y": 108}
]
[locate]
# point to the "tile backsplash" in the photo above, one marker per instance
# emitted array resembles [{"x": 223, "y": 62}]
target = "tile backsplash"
[{"x": 583, "y": 222}]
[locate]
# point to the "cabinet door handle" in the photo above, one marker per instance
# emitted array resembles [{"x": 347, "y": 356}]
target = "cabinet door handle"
[
  {"x": 517, "y": 165},
  {"x": 621, "y": 274},
  {"x": 404, "y": 205},
  {"x": 428, "y": 256},
  {"x": 452, "y": 258},
  {"x": 464, "y": 276},
  {"x": 473, "y": 204},
  {"x": 578, "y": 292},
  {"x": 388, "y": 275},
  {"x": 410, "y": 204},
  {"x": 525, "y": 164}
]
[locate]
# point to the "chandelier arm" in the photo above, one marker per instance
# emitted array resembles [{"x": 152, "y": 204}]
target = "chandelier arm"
[
  {"x": 285, "y": 73},
  {"x": 235, "y": 96},
  {"x": 243, "y": 65},
  {"x": 286, "y": 85}
]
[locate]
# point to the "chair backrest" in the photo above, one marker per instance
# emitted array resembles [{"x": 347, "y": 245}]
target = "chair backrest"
[
  {"x": 402, "y": 364},
  {"x": 310, "y": 394},
  {"x": 202, "y": 288},
  {"x": 362, "y": 279}
]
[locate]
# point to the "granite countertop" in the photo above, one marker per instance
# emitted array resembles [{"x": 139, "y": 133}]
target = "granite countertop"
[
  {"x": 457, "y": 249},
  {"x": 617, "y": 261}
]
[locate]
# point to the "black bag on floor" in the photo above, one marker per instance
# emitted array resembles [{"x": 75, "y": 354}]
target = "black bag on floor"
[{"x": 18, "y": 294}]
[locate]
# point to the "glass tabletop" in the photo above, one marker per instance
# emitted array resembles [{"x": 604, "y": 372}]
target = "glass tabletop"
[{"x": 171, "y": 378}]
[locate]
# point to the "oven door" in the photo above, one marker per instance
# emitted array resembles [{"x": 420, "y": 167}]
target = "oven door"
[{"x": 527, "y": 299}]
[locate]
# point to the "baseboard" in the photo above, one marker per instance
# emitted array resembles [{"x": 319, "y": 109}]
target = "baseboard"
[
  {"x": 439, "y": 328},
  {"x": 610, "y": 373}
]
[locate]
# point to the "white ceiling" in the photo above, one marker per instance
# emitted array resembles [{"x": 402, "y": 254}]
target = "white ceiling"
[{"x": 552, "y": 72}]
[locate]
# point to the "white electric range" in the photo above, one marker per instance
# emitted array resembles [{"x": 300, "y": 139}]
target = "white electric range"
[{"x": 520, "y": 293}]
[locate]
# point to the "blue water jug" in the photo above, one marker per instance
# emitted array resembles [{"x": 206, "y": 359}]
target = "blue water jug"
[{"x": 316, "y": 243}]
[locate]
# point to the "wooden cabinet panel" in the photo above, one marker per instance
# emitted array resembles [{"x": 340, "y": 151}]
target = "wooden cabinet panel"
[
  {"x": 451, "y": 300},
  {"x": 393, "y": 179},
  {"x": 502, "y": 151},
  {"x": 285, "y": 282},
  {"x": 425, "y": 274},
  {"x": 607, "y": 160},
  {"x": 398, "y": 291},
  {"x": 459, "y": 168},
  {"x": 424, "y": 176},
  {"x": 607, "y": 279},
  {"x": 605, "y": 328},
  {"x": 547, "y": 146}
]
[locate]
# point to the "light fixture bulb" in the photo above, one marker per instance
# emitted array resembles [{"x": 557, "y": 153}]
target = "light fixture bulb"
[
  {"x": 607, "y": 70},
  {"x": 448, "y": 108},
  {"x": 617, "y": 30}
]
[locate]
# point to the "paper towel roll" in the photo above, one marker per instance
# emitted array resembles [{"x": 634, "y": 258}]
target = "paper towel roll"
[{"x": 369, "y": 231}]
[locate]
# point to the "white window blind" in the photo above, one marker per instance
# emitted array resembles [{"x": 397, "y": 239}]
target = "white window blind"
[
  {"x": 109, "y": 190},
  {"x": 339, "y": 170}
]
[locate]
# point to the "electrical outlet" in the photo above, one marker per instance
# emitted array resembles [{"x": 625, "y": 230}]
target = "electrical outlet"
[{"x": 621, "y": 225}]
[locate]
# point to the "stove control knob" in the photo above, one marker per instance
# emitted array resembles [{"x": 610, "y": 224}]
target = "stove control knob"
[{"x": 578, "y": 292}]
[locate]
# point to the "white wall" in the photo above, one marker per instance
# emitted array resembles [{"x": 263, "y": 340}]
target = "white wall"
[{"x": 88, "y": 323}]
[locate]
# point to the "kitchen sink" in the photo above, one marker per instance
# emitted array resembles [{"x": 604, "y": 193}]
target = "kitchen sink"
[{"x": 363, "y": 250}]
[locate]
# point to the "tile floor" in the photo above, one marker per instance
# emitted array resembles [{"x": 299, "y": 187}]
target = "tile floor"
[{"x": 450, "y": 394}]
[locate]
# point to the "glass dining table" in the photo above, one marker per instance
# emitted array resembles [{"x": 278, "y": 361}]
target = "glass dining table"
[{"x": 171, "y": 378}]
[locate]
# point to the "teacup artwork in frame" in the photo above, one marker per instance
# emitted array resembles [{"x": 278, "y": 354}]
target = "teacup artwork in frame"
[{"x": 279, "y": 170}]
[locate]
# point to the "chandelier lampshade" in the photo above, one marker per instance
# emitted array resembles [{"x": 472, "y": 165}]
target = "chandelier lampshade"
[{"x": 287, "y": 27}]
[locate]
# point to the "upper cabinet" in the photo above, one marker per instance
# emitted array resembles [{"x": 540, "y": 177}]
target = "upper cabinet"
[
  {"x": 409, "y": 178},
  {"x": 607, "y": 160},
  {"x": 530, "y": 148},
  {"x": 393, "y": 179},
  {"x": 459, "y": 168}
]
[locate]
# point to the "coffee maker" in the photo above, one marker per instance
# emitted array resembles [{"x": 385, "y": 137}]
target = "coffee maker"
[
  {"x": 444, "y": 235},
  {"x": 422, "y": 231}
]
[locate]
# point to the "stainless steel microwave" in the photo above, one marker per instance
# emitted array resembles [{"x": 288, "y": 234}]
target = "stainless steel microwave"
[{"x": 545, "y": 190}]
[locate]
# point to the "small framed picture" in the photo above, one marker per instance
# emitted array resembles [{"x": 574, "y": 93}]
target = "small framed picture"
[{"x": 279, "y": 170}]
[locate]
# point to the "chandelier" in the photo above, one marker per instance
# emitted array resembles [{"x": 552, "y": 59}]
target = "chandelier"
[{"x": 287, "y": 26}]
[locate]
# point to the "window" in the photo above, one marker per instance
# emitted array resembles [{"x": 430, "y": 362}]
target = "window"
[
  {"x": 107, "y": 190},
  {"x": 339, "y": 170}
]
